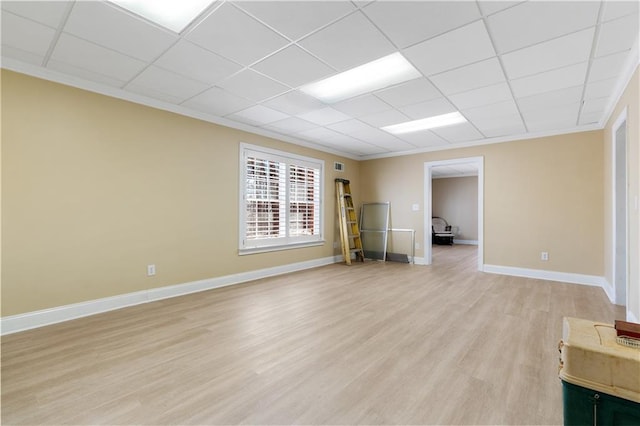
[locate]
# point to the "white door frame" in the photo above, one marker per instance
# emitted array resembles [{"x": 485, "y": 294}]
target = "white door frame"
[
  {"x": 620, "y": 289},
  {"x": 428, "y": 206}
]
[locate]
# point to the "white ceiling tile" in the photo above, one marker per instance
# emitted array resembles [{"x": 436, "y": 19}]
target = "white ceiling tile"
[
  {"x": 162, "y": 81},
  {"x": 618, "y": 9},
  {"x": 595, "y": 105},
  {"x": 49, "y": 13},
  {"x": 495, "y": 129},
  {"x": 411, "y": 92},
  {"x": 532, "y": 22},
  {"x": 243, "y": 120},
  {"x": 385, "y": 118},
  {"x": 607, "y": 66},
  {"x": 618, "y": 35},
  {"x": 84, "y": 74},
  {"x": 564, "y": 116},
  {"x": 497, "y": 110},
  {"x": 295, "y": 19},
  {"x": 428, "y": 109},
  {"x": 552, "y": 54},
  {"x": 259, "y": 114},
  {"x": 96, "y": 21},
  {"x": 350, "y": 42},
  {"x": 496, "y": 120},
  {"x": 294, "y": 103},
  {"x": 358, "y": 129},
  {"x": 252, "y": 85},
  {"x": 553, "y": 124},
  {"x": 97, "y": 59},
  {"x": 153, "y": 93},
  {"x": 409, "y": 22},
  {"x": 217, "y": 102},
  {"x": 352, "y": 145},
  {"x": 569, "y": 95},
  {"x": 235, "y": 35},
  {"x": 320, "y": 134},
  {"x": 390, "y": 143},
  {"x": 485, "y": 73},
  {"x": 349, "y": 127},
  {"x": 424, "y": 138},
  {"x": 21, "y": 55},
  {"x": 482, "y": 96},
  {"x": 458, "y": 133},
  {"x": 104, "y": 45},
  {"x": 600, "y": 89},
  {"x": 293, "y": 66},
  {"x": 324, "y": 116},
  {"x": 562, "y": 78},
  {"x": 590, "y": 118},
  {"x": 362, "y": 105},
  {"x": 195, "y": 62},
  {"x": 292, "y": 125},
  {"x": 25, "y": 35},
  {"x": 463, "y": 46},
  {"x": 489, "y": 7}
]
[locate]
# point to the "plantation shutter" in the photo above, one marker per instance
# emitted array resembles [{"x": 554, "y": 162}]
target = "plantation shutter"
[{"x": 280, "y": 200}]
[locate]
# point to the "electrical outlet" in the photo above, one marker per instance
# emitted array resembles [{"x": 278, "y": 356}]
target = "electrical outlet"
[
  {"x": 417, "y": 246},
  {"x": 544, "y": 256},
  {"x": 335, "y": 244},
  {"x": 151, "y": 270}
]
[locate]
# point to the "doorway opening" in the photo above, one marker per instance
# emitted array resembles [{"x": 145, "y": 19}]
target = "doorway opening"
[
  {"x": 620, "y": 208},
  {"x": 430, "y": 169}
]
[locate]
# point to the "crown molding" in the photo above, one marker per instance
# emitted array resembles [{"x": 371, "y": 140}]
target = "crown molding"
[{"x": 114, "y": 92}]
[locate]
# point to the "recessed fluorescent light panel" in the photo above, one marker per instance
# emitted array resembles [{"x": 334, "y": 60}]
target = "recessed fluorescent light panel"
[
  {"x": 172, "y": 14},
  {"x": 425, "y": 123},
  {"x": 381, "y": 73}
]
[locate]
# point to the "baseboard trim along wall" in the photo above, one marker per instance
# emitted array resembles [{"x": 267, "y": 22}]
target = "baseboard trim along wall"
[
  {"x": 468, "y": 242},
  {"x": 22, "y": 322},
  {"x": 565, "y": 277},
  {"x": 606, "y": 286},
  {"x": 30, "y": 320}
]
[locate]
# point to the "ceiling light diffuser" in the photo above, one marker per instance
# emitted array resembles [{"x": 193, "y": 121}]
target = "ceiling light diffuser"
[
  {"x": 425, "y": 123},
  {"x": 172, "y": 14},
  {"x": 381, "y": 73}
]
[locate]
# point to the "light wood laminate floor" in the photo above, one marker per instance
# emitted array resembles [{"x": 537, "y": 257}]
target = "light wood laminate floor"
[{"x": 372, "y": 343}]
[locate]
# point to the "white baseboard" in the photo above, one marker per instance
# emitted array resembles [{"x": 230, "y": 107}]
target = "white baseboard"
[
  {"x": 21, "y": 322},
  {"x": 608, "y": 289},
  {"x": 468, "y": 242},
  {"x": 565, "y": 277}
]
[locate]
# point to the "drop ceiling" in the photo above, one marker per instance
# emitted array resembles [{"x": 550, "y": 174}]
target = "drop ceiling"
[{"x": 513, "y": 69}]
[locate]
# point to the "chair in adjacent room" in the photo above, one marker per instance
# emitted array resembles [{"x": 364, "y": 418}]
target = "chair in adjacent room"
[{"x": 441, "y": 232}]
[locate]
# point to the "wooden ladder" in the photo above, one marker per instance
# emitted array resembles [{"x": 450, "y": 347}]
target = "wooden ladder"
[{"x": 349, "y": 231}]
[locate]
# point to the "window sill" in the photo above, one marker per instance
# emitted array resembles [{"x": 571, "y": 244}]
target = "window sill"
[{"x": 244, "y": 252}]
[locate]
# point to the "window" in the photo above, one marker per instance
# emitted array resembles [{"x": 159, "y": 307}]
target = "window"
[{"x": 280, "y": 202}]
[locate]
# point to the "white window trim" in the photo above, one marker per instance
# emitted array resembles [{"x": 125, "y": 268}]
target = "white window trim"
[{"x": 299, "y": 242}]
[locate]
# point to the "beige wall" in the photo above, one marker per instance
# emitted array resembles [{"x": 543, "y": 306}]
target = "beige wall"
[
  {"x": 456, "y": 200},
  {"x": 631, "y": 101},
  {"x": 95, "y": 188},
  {"x": 541, "y": 194}
]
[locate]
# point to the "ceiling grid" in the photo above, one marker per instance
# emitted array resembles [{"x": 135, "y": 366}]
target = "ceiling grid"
[{"x": 513, "y": 69}]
